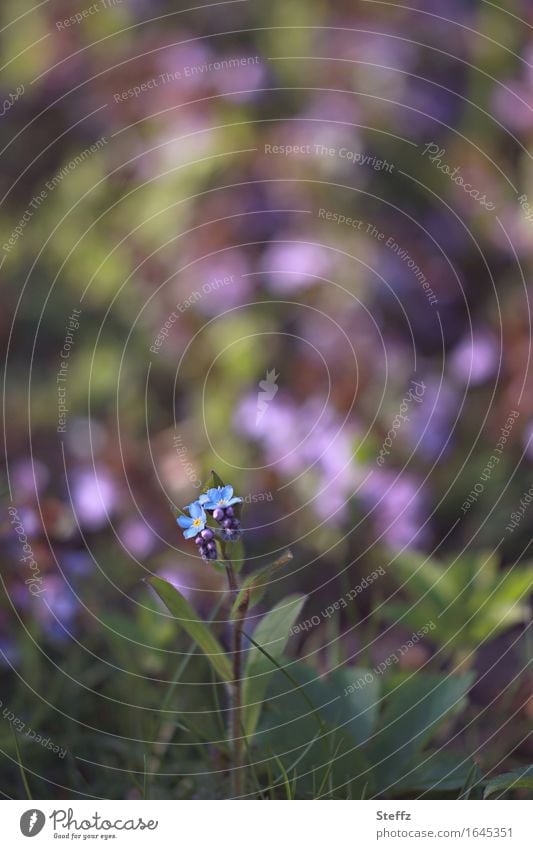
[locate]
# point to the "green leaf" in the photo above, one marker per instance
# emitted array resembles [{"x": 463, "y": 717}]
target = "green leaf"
[
  {"x": 257, "y": 584},
  {"x": 289, "y": 729},
  {"x": 272, "y": 634},
  {"x": 437, "y": 772},
  {"x": 486, "y": 572},
  {"x": 510, "y": 781},
  {"x": 216, "y": 480},
  {"x": 193, "y": 625},
  {"x": 427, "y": 578},
  {"x": 21, "y": 765},
  {"x": 358, "y": 708},
  {"x": 506, "y": 606},
  {"x": 468, "y": 598},
  {"x": 412, "y": 714},
  {"x": 412, "y": 616}
]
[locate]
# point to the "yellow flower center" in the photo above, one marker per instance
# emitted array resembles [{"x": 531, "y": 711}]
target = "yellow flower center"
[{"x": 197, "y": 522}]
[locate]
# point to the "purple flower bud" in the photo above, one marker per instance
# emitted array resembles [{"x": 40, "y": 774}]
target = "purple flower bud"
[
  {"x": 198, "y": 539},
  {"x": 230, "y": 512},
  {"x": 227, "y": 523},
  {"x": 211, "y": 546},
  {"x": 207, "y": 534},
  {"x": 218, "y": 514}
]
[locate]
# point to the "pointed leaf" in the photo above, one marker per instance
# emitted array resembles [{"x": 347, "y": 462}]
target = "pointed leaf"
[
  {"x": 411, "y": 716},
  {"x": 257, "y": 584},
  {"x": 216, "y": 480},
  {"x": 510, "y": 781},
  {"x": 334, "y": 746},
  {"x": 193, "y": 625},
  {"x": 437, "y": 773},
  {"x": 272, "y": 634}
]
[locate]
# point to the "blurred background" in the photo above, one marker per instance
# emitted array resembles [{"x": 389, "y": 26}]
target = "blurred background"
[{"x": 290, "y": 241}]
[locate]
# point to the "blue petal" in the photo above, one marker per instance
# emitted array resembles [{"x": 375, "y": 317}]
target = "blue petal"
[
  {"x": 234, "y": 500},
  {"x": 184, "y": 521},
  {"x": 226, "y": 493},
  {"x": 197, "y": 511},
  {"x": 190, "y": 532},
  {"x": 214, "y": 494},
  {"x": 203, "y": 498}
]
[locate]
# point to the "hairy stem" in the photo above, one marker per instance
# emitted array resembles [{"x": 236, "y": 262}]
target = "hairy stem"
[{"x": 235, "y": 721}]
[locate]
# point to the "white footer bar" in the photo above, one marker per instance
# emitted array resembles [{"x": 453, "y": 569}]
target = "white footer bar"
[{"x": 266, "y": 824}]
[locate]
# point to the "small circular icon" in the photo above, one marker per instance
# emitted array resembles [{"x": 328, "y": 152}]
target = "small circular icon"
[{"x": 32, "y": 822}]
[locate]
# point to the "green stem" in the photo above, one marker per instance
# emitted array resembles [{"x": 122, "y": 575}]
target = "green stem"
[{"x": 235, "y": 722}]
